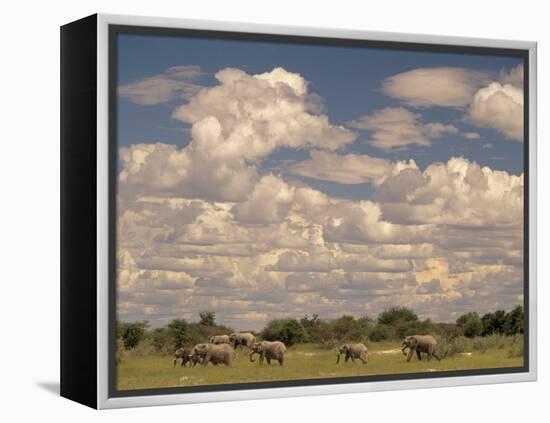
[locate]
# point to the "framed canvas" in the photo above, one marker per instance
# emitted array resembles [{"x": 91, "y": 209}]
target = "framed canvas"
[{"x": 254, "y": 211}]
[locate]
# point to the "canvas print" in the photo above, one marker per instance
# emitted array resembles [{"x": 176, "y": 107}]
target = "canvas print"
[{"x": 290, "y": 211}]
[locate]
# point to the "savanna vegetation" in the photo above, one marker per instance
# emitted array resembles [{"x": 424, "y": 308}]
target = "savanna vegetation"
[{"x": 145, "y": 355}]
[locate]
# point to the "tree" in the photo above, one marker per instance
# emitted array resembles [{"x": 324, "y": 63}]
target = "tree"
[
  {"x": 179, "y": 332},
  {"x": 397, "y": 314},
  {"x": 132, "y": 333},
  {"x": 471, "y": 324},
  {"x": 513, "y": 322},
  {"x": 289, "y": 331},
  {"x": 207, "y": 318},
  {"x": 493, "y": 322}
]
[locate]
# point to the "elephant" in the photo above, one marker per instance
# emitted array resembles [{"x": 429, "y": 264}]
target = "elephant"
[
  {"x": 420, "y": 344},
  {"x": 353, "y": 351},
  {"x": 242, "y": 338},
  {"x": 270, "y": 351},
  {"x": 183, "y": 354},
  {"x": 215, "y": 354},
  {"x": 219, "y": 339}
]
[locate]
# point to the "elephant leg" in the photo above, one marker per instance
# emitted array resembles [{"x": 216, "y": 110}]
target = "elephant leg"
[
  {"x": 268, "y": 361},
  {"x": 261, "y": 359},
  {"x": 175, "y": 361},
  {"x": 363, "y": 358},
  {"x": 436, "y": 356},
  {"x": 418, "y": 355},
  {"x": 281, "y": 361},
  {"x": 337, "y": 358},
  {"x": 347, "y": 358},
  {"x": 352, "y": 359},
  {"x": 409, "y": 356}
]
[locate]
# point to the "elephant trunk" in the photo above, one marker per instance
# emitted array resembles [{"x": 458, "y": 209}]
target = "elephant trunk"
[{"x": 250, "y": 357}]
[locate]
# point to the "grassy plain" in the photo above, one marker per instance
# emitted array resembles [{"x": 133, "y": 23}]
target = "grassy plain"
[{"x": 303, "y": 361}]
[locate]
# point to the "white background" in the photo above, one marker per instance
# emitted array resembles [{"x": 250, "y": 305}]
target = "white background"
[{"x": 29, "y": 210}]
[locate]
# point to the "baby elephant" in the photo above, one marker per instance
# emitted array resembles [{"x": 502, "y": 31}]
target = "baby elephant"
[
  {"x": 353, "y": 351},
  {"x": 219, "y": 339},
  {"x": 183, "y": 354},
  {"x": 420, "y": 344},
  {"x": 270, "y": 351},
  {"x": 215, "y": 354}
]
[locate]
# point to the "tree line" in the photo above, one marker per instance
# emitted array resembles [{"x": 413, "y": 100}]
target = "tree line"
[{"x": 392, "y": 324}]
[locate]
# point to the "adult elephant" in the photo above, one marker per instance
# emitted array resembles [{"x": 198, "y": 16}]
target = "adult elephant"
[
  {"x": 270, "y": 351},
  {"x": 219, "y": 339},
  {"x": 215, "y": 354},
  {"x": 420, "y": 344},
  {"x": 242, "y": 338},
  {"x": 353, "y": 351}
]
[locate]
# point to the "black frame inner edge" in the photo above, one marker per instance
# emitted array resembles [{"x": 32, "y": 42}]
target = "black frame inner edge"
[{"x": 114, "y": 30}]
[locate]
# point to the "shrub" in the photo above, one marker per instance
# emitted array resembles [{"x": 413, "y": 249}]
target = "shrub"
[
  {"x": 517, "y": 346},
  {"x": 396, "y": 314},
  {"x": 513, "y": 322},
  {"x": 131, "y": 333},
  {"x": 449, "y": 347},
  {"x": 382, "y": 332},
  {"x": 289, "y": 331},
  {"x": 471, "y": 324},
  {"x": 207, "y": 318},
  {"x": 162, "y": 341},
  {"x": 179, "y": 332}
]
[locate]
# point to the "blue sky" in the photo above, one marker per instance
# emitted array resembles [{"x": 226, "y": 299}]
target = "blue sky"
[
  {"x": 347, "y": 79},
  {"x": 268, "y": 180}
]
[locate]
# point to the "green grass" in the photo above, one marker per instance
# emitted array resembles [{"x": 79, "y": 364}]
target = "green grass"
[{"x": 306, "y": 361}]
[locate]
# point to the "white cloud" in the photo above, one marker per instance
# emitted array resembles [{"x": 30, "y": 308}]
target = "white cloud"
[
  {"x": 234, "y": 126},
  {"x": 458, "y": 192},
  {"x": 471, "y": 135},
  {"x": 397, "y": 127},
  {"x": 200, "y": 228},
  {"x": 443, "y": 86},
  {"x": 258, "y": 113},
  {"x": 176, "y": 82},
  {"x": 500, "y": 107},
  {"x": 513, "y": 76},
  {"x": 269, "y": 202},
  {"x": 344, "y": 169}
]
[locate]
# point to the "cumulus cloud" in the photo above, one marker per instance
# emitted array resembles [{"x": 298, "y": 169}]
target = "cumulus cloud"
[
  {"x": 441, "y": 86},
  {"x": 397, "y": 127},
  {"x": 234, "y": 125},
  {"x": 512, "y": 76},
  {"x": 499, "y": 106},
  {"x": 207, "y": 227},
  {"x": 458, "y": 192},
  {"x": 177, "y": 82},
  {"x": 256, "y": 114}
]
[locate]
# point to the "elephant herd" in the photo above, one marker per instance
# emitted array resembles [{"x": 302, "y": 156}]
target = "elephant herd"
[{"x": 221, "y": 350}]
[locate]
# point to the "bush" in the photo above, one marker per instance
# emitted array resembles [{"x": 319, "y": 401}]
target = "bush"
[
  {"x": 288, "y": 331},
  {"x": 517, "y": 347},
  {"x": 162, "y": 341},
  {"x": 179, "y": 333},
  {"x": 471, "y": 324},
  {"x": 382, "y": 332},
  {"x": 513, "y": 322},
  {"x": 449, "y": 347},
  {"x": 396, "y": 314},
  {"x": 493, "y": 322},
  {"x": 131, "y": 334},
  {"x": 207, "y": 318}
]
